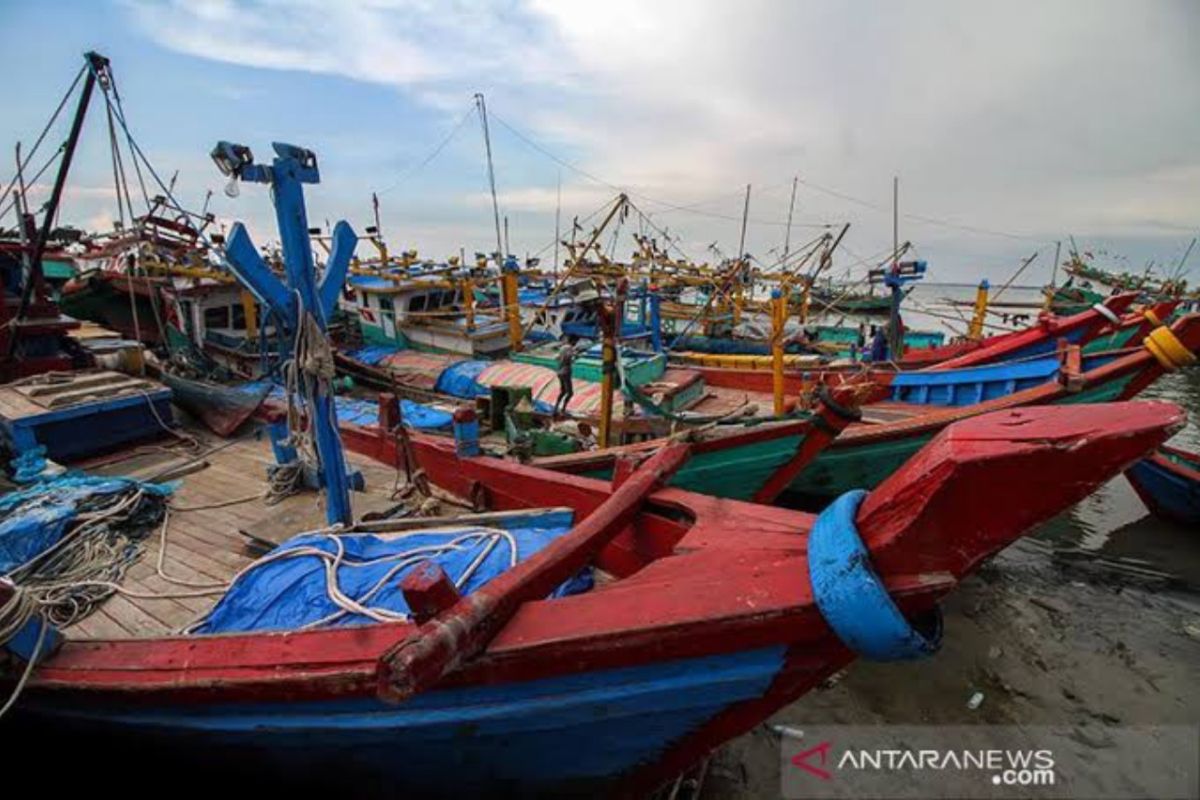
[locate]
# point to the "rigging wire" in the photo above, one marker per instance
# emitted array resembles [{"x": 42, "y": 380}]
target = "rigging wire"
[
  {"x": 647, "y": 198},
  {"x": 433, "y": 154},
  {"x": 919, "y": 217},
  {"x": 37, "y": 143}
]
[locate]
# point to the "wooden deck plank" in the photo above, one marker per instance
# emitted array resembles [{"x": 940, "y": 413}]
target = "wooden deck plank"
[
  {"x": 168, "y": 613},
  {"x": 129, "y": 616},
  {"x": 205, "y": 545},
  {"x": 146, "y": 572},
  {"x": 103, "y": 625}
]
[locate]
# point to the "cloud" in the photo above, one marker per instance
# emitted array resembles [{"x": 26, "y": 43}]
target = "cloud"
[
  {"x": 1029, "y": 120},
  {"x": 404, "y": 43}
]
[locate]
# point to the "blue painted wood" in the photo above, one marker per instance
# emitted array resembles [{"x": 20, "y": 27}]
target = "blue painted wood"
[
  {"x": 291, "y": 168},
  {"x": 566, "y": 731},
  {"x": 1168, "y": 494},
  {"x": 83, "y": 429},
  {"x": 852, "y": 598},
  {"x": 971, "y": 385}
]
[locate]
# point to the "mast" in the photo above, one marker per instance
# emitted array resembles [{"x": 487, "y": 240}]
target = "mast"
[
  {"x": 557, "y": 218},
  {"x": 895, "y": 220},
  {"x": 97, "y": 65},
  {"x": 745, "y": 217},
  {"x": 787, "y": 236},
  {"x": 895, "y": 337},
  {"x": 481, "y": 104}
]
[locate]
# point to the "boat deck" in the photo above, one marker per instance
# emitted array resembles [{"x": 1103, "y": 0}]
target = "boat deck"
[{"x": 205, "y": 545}]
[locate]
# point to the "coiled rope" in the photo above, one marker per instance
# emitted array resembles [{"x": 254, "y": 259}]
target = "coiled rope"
[{"x": 333, "y": 561}]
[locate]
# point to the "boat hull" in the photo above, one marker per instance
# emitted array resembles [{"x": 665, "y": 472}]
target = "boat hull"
[
  {"x": 1169, "y": 484},
  {"x": 222, "y": 409},
  {"x": 572, "y": 733}
]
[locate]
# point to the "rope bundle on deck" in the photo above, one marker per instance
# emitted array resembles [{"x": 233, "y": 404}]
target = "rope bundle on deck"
[{"x": 89, "y": 531}]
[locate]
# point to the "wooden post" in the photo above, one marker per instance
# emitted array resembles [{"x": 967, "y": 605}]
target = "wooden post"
[
  {"x": 778, "y": 319},
  {"x": 833, "y": 413},
  {"x": 975, "y": 329},
  {"x": 463, "y": 631},
  {"x": 512, "y": 305},
  {"x": 608, "y": 368},
  {"x": 467, "y": 287},
  {"x": 251, "y": 308}
]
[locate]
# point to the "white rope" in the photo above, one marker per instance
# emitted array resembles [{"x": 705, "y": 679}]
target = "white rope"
[{"x": 333, "y": 561}]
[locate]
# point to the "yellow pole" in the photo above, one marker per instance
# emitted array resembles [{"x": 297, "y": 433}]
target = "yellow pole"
[
  {"x": 611, "y": 320},
  {"x": 608, "y": 367},
  {"x": 975, "y": 330},
  {"x": 778, "y": 318},
  {"x": 251, "y": 309},
  {"x": 512, "y": 307},
  {"x": 737, "y": 299},
  {"x": 468, "y": 293}
]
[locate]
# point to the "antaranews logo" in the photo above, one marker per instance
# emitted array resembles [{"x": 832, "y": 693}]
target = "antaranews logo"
[
  {"x": 805, "y": 760},
  {"x": 987, "y": 761},
  {"x": 1006, "y": 767}
]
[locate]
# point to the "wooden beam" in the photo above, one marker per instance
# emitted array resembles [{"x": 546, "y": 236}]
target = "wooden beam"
[{"x": 443, "y": 644}]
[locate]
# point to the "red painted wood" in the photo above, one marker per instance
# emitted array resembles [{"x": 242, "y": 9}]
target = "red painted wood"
[
  {"x": 428, "y": 591},
  {"x": 995, "y": 348},
  {"x": 389, "y": 411},
  {"x": 829, "y": 420},
  {"x": 464, "y": 630},
  {"x": 704, "y": 576}
]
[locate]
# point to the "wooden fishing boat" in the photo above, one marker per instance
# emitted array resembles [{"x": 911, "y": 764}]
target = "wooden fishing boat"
[
  {"x": 1038, "y": 339},
  {"x": 1168, "y": 481},
  {"x": 909, "y": 408},
  {"x": 77, "y": 414},
  {"x": 223, "y": 409},
  {"x": 1092, "y": 329},
  {"x": 755, "y": 460},
  {"x": 902, "y": 412},
  {"x": 716, "y": 614},
  {"x": 1071, "y": 299}
]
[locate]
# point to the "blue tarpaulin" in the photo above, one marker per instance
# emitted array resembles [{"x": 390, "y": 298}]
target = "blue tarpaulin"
[
  {"x": 284, "y": 592},
  {"x": 424, "y": 418},
  {"x": 353, "y": 411},
  {"x": 372, "y": 354},
  {"x": 34, "y": 518},
  {"x": 458, "y": 380}
]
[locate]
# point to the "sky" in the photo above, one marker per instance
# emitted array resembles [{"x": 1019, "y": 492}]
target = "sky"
[{"x": 1010, "y": 125}]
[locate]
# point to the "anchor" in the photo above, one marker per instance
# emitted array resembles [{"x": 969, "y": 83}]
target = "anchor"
[{"x": 301, "y": 307}]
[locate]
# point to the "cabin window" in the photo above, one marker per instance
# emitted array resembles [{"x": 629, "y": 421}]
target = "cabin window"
[
  {"x": 417, "y": 303},
  {"x": 239, "y": 317},
  {"x": 216, "y": 317},
  {"x": 385, "y": 304}
]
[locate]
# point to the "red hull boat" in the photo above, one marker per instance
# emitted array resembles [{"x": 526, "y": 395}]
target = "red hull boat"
[{"x": 718, "y": 613}]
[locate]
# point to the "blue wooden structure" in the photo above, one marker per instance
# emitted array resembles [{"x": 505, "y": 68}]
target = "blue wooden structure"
[
  {"x": 1168, "y": 481},
  {"x": 304, "y": 301},
  {"x": 970, "y": 385},
  {"x": 97, "y": 412},
  {"x": 896, "y": 279}
]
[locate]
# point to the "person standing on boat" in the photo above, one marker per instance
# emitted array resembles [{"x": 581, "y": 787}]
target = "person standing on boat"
[
  {"x": 879, "y": 344},
  {"x": 566, "y": 386}
]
